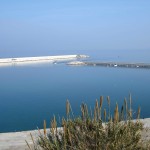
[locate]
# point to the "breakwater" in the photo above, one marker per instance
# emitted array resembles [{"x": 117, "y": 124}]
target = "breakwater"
[
  {"x": 112, "y": 64},
  {"x": 28, "y": 60}
]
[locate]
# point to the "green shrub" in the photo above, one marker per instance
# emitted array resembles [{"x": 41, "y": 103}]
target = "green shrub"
[{"x": 90, "y": 132}]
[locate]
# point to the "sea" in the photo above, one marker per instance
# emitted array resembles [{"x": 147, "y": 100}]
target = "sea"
[{"x": 31, "y": 94}]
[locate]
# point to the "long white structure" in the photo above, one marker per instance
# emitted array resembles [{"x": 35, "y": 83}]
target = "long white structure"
[{"x": 29, "y": 60}]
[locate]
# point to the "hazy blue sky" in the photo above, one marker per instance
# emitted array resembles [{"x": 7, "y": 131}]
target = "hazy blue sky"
[{"x": 42, "y": 27}]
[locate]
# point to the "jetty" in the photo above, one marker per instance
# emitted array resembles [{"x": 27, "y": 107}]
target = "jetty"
[
  {"x": 111, "y": 64},
  {"x": 41, "y": 59}
]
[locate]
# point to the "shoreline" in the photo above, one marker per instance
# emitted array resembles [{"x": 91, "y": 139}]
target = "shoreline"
[{"x": 16, "y": 140}]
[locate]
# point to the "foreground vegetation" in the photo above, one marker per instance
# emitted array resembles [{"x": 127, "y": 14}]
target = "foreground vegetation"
[{"x": 94, "y": 130}]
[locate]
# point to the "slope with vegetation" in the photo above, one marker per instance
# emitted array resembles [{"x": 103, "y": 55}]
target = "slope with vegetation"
[{"x": 96, "y": 130}]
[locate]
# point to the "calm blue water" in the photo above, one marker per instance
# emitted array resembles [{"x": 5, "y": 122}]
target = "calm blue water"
[{"x": 30, "y": 94}]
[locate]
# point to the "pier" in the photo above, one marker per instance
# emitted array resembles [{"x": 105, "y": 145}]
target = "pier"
[{"x": 112, "y": 64}]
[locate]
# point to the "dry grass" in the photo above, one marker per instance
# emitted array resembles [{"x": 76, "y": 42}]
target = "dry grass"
[{"x": 90, "y": 132}]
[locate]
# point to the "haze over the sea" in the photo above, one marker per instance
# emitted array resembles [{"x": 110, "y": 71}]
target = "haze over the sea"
[
  {"x": 102, "y": 28},
  {"x": 111, "y": 30}
]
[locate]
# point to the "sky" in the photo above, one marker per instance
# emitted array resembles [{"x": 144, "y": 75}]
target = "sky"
[{"x": 46, "y": 27}]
